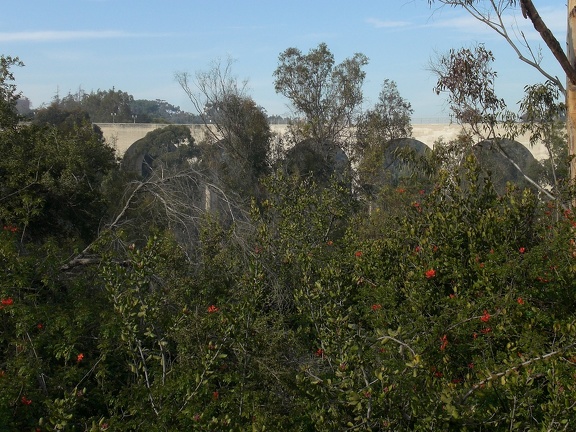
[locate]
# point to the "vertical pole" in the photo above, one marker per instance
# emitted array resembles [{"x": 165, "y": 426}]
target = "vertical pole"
[{"x": 571, "y": 88}]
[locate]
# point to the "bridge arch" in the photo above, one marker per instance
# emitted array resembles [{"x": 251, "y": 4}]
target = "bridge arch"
[{"x": 123, "y": 135}]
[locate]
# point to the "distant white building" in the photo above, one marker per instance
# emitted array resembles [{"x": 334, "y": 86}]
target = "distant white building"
[{"x": 23, "y": 106}]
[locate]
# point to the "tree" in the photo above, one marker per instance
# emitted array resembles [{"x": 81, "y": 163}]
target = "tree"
[
  {"x": 314, "y": 316},
  {"x": 159, "y": 111},
  {"x": 326, "y": 95},
  {"x": 102, "y": 106},
  {"x": 168, "y": 148},
  {"x": 238, "y": 133},
  {"x": 51, "y": 181},
  {"x": 389, "y": 120},
  {"x": 491, "y": 13},
  {"x": 109, "y": 106},
  {"x": 8, "y": 95},
  {"x": 544, "y": 118},
  {"x": 467, "y": 77},
  {"x": 52, "y": 172}
]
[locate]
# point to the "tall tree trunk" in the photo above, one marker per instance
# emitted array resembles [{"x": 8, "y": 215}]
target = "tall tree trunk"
[
  {"x": 571, "y": 87},
  {"x": 568, "y": 63}
]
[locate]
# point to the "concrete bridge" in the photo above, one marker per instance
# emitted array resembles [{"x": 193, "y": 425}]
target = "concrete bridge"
[{"x": 123, "y": 135}]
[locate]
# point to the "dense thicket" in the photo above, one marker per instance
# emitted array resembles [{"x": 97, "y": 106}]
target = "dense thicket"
[{"x": 133, "y": 302}]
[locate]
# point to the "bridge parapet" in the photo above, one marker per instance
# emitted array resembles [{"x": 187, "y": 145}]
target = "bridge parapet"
[{"x": 123, "y": 135}]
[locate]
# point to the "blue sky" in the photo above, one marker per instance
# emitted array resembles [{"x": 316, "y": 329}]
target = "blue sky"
[{"x": 138, "y": 45}]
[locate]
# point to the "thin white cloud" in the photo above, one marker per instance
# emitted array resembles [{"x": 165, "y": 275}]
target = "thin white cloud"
[
  {"x": 465, "y": 23},
  {"x": 57, "y": 36},
  {"x": 377, "y": 23},
  {"x": 555, "y": 19}
]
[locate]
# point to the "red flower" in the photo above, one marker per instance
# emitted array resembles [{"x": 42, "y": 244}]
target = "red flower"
[
  {"x": 212, "y": 309},
  {"x": 319, "y": 352},
  {"x": 79, "y": 357},
  {"x": 358, "y": 254},
  {"x": 25, "y": 401},
  {"x": 7, "y": 301},
  {"x": 330, "y": 243},
  {"x": 400, "y": 190},
  {"x": 522, "y": 250},
  {"x": 520, "y": 300},
  {"x": 444, "y": 344},
  {"x": 39, "y": 326},
  {"x": 486, "y": 330},
  {"x": 376, "y": 307},
  {"x": 215, "y": 395},
  {"x": 470, "y": 365},
  {"x": 430, "y": 273},
  {"x": 485, "y": 317}
]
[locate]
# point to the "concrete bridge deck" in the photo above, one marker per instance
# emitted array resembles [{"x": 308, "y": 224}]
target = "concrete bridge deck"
[{"x": 123, "y": 135}]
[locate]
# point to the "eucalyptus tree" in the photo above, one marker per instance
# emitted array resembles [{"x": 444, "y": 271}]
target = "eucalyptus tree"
[
  {"x": 492, "y": 13},
  {"x": 379, "y": 131},
  {"x": 325, "y": 96},
  {"x": 543, "y": 116},
  {"x": 467, "y": 77},
  {"x": 390, "y": 118}
]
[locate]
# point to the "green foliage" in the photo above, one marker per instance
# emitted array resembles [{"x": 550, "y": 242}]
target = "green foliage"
[
  {"x": 444, "y": 307},
  {"x": 453, "y": 312},
  {"x": 159, "y": 111},
  {"x": 467, "y": 76},
  {"x": 544, "y": 120},
  {"x": 8, "y": 95},
  {"x": 102, "y": 104},
  {"x": 238, "y": 156},
  {"x": 397, "y": 163},
  {"x": 389, "y": 119},
  {"x": 166, "y": 148},
  {"x": 325, "y": 94},
  {"x": 462, "y": 298},
  {"x": 50, "y": 179}
]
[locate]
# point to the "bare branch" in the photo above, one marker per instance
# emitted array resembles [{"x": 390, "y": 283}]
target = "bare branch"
[
  {"x": 512, "y": 369},
  {"x": 492, "y": 17},
  {"x": 528, "y": 10}
]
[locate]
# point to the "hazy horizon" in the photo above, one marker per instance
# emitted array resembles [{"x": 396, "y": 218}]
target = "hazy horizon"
[{"x": 138, "y": 46}]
